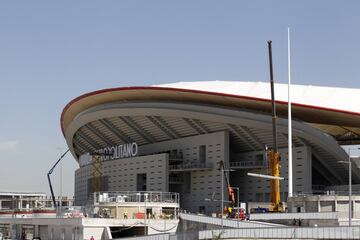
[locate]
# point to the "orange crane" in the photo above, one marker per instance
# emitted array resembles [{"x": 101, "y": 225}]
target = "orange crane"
[
  {"x": 228, "y": 187},
  {"x": 272, "y": 153}
]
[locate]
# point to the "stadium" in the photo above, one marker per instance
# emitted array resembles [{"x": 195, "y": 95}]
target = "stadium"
[{"x": 171, "y": 137}]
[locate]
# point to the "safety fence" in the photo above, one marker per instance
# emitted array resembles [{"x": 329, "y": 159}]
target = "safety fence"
[
  {"x": 167, "y": 236},
  {"x": 150, "y": 237},
  {"x": 132, "y": 196},
  {"x": 343, "y": 232},
  {"x": 310, "y": 215},
  {"x": 227, "y": 223}
]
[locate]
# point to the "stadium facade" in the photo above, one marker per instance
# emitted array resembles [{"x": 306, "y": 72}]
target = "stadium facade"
[{"x": 171, "y": 137}]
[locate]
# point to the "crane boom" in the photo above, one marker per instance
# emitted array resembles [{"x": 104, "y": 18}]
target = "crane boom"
[
  {"x": 272, "y": 153},
  {"x": 228, "y": 186},
  {"x": 49, "y": 179}
]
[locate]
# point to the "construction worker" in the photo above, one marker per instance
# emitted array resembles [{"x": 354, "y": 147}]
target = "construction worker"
[{"x": 230, "y": 211}]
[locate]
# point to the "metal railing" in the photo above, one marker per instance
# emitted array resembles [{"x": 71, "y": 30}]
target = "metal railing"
[
  {"x": 335, "y": 232},
  {"x": 165, "y": 236},
  {"x": 318, "y": 187},
  {"x": 308, "y": 215},
  {"x": 175, "y": 158},
  {"x": 130, "y": 196},
  {"x": 248, "y": 164},
  {"x": 190, "y": 166},
  {"x": 327, "y": 193},
  {"x": 226, "y": 222}
]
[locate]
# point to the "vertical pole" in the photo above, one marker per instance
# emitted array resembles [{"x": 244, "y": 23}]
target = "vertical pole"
[
  {"x": 238, "y": 197},
  {"x": 145, "y": 216},
  {"x": 350, "y": 203},
  {"x": 60, "y": 202},
  {"x": 61, "y": 176},
  {"x": 95, "y": 200},
  {"x": 238, "y": 205},
  {"x": 222, "y": 198},
  {"x": 290, "y": 167},
  {"x": 273, "y": 105}
]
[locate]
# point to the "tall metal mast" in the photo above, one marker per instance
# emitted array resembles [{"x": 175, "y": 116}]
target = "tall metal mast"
[{"x": 290, "y": 158}]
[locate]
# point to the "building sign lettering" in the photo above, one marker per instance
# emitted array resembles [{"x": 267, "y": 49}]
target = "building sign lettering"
[
  {"x": 111, "y": 153},
  {"x": 121, "y": 151}
]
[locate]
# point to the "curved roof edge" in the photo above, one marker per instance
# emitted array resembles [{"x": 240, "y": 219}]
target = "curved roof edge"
[
  {"x": 326, "y": 97},
  {"x": 222, "y": 92}
]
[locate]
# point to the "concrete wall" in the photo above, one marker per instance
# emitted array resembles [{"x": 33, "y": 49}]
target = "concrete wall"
[
  {"x": 312, "y": 206},
  {"x": 201, "y": 184},
  {"x": 326, "y": 203},
  {"x": 197, "y": 185},
  {"x": 122, "y": 175},
  {"x": 356, "y": 209}
]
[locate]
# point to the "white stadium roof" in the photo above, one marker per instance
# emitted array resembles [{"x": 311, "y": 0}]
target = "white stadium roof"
[
  {"x": 343, "y": 99},
  {"x": 333, "y": 110}
]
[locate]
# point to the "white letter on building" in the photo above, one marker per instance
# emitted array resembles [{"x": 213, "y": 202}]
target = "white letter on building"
[{"x": 134, "y": 149}]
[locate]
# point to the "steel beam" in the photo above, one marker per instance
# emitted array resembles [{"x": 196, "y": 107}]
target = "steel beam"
[
  {"x": 194, "y": 126},
  {"x": 82, "y": 135},
  {"x": 164, "y": 127},
  {"x": 239, "y": 135},
  {"x": 300, "y": 140},
  {"x": 117, "y": 132},
  {"x": 201, "y": 125},
  {"x": 138, "y": 129},
  {"x": 328, "y": 168},
  {"x": 78, "y": 152},
  {"x": 349, "y": 132},
  {"x": 101, "y": 137},
  {"x": 250, "y": 135},
  {"x": 167, "y": 126},
  {"x": 78, "y": 144}
]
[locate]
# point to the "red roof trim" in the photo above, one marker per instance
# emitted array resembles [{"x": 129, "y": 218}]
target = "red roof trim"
[{"x": 191, "y": 91}]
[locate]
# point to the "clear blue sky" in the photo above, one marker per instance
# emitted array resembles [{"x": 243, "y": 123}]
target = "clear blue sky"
[{"x": 53, "y": 51}]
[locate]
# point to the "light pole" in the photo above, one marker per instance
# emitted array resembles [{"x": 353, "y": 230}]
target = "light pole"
[
  {"x": 350, "y": 207},
  {"x": 145, "y": 199},
  {"x": 222, "y": 198},
  {"x": 350, "y": 184},
  {"x": 138, "y": 195}
]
